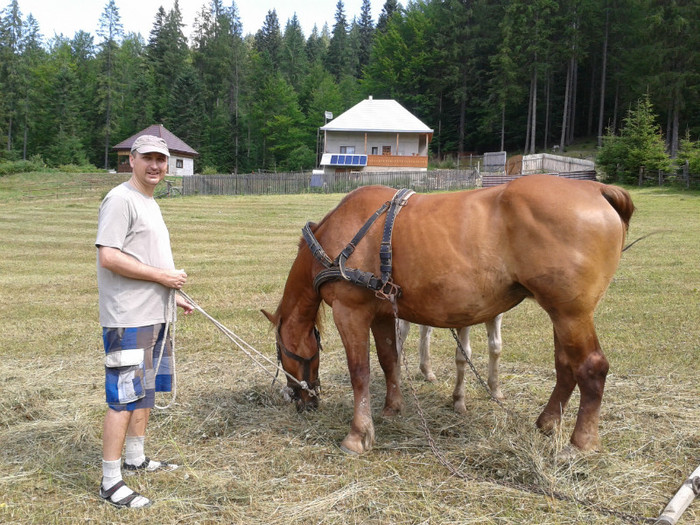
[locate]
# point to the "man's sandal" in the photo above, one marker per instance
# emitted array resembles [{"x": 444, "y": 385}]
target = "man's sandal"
[
  {"x": 124, "y": 503},
  {"x": 148, "y": 465}
]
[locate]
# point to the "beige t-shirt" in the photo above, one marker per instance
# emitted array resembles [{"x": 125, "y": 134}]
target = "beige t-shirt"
[{"x": 132, "y": 222}]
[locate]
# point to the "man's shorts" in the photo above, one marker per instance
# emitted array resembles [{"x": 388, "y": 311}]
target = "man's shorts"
[{"x": 130, "y": 357}]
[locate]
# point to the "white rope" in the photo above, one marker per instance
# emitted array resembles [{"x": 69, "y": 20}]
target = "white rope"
[
  {"x": 170, "y": 318},
  {"x": 249, "y": 350}
]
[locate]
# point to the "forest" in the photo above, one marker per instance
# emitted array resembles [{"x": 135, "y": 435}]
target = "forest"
[{"x": 487, "y": 75}]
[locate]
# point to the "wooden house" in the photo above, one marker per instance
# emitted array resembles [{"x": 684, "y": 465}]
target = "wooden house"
[
  {"x": 375, "y": 135},
  {"x": 181, "y": 161}
]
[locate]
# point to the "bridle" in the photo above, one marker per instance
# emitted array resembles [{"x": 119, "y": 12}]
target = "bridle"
[{"x": 313, "y": 387}]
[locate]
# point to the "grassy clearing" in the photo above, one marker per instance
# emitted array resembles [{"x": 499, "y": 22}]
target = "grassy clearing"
[{"x": 250, "y": 458}]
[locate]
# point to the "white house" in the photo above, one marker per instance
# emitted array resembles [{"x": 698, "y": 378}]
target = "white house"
[
  {"x": 375, "y": 135},
  {"x": 181, "y": 161}
]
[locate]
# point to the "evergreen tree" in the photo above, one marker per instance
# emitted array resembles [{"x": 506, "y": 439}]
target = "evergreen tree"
[
  {"x": 317, "y": 45},
  {"x": 268, "y": 41},
  {"x": 278, "y": 121},
  {"x": 11, "y": 34},
  {"x": 111, "y": 31},
  {"x": 638, "y": 148},
  {"x": 293, "y": 58},
  {"x": 365, "y": 28},
  {"x": 167, "y": 54},
  {"x": 390, "y": 7},
  {"x": 340, "y": 60}
]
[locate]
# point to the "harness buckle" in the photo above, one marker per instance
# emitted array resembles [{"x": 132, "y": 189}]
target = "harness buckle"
[{"x": 389, "y": 291}]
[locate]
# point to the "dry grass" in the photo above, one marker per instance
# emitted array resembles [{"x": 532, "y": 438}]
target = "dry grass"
[{"x": 250, "y": 458}]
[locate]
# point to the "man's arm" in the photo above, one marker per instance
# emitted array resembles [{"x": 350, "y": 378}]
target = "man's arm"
[{"x": 118, "y": 262}]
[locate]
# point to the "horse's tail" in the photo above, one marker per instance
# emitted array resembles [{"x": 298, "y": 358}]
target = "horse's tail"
[{"x": 620, "y": 200}]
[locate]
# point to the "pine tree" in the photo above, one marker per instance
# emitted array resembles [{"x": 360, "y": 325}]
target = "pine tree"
[{"x": 111, "y": 31}]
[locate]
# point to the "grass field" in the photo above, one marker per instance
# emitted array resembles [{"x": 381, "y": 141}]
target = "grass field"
[{"x": 248, "y": 457}]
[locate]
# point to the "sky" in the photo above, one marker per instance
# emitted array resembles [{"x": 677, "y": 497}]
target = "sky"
[{"x": 56, "y": 17}]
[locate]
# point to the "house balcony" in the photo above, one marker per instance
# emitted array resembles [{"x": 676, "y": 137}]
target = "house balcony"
[{"x": 398, "y": 161}]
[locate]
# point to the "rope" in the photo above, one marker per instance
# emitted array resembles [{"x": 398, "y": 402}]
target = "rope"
[
  {"x": 170, "y": 318},
  {"x": 249, "y": 350}
]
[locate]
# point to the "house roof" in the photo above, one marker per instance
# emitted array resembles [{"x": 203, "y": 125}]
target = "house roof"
[
  {"x": 377, "y": 116},
  {"x": 175, "y": 144}
]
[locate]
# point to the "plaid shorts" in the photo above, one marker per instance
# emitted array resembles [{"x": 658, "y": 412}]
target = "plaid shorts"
[{"x": 130, "y": 357}]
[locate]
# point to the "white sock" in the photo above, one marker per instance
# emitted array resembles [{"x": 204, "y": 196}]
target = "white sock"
[
  {"x": 134, "y": 450},
  {"x": 111, "y": 475}
]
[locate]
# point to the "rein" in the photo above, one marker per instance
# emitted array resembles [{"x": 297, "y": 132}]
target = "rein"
[{"x": 383, "y": 286}]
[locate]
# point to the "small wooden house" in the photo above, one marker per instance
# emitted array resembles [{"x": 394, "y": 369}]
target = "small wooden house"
[
  {"x": 375, "y": 135},
  {"x": 182, "y": 156}
]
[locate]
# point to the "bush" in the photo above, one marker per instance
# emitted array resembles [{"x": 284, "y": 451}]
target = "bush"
[
  {"x": 640, "y": 145},
  {"x": 689, "y": 152},
  {"x": 10, "y": 167}
]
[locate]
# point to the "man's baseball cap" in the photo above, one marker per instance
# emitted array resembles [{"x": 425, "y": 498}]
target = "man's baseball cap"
[{"x": 150, "y": 144}]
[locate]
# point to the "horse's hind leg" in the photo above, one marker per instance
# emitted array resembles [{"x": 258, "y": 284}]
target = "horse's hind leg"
[
  {"x": 384, "y": 331},
  {"x": 578, "y": 361},
  {"x": 493, "y": 330},
  {"x": 425, "y": 366}
]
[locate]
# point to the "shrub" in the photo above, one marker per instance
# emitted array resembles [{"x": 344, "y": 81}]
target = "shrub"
[{"x": 640, "y": 145}]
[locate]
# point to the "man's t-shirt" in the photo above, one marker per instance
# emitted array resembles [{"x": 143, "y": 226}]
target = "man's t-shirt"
[{"x": 131, "y": 222}]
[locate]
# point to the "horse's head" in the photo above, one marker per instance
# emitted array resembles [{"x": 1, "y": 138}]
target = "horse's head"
[{"x": 299, "y": 353}]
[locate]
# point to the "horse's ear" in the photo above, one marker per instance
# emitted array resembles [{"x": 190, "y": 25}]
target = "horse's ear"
[{"x": 270, "y": 317}]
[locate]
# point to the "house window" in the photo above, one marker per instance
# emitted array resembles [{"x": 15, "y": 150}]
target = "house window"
[
  {"x": 386, "y": 150},
  {"x": 347, "y": 149},
  {"x": 375, "y": 150},
  {"x": 178, "y": 163}
]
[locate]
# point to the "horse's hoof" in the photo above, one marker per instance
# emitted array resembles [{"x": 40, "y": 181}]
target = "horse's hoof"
[
  {"x": 571, "y": 452},
  {"x": 430, "y": 377},
  {"x": 355, "y": 446},
  {"x": 348, "y": 451},
  {"x": 460, "y": 408},
  {"x": 390, "y": 412},
  {"x": 568, "y": 454}
]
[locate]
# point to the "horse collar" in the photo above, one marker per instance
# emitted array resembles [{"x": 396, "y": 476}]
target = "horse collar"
[{"x": 383, "y": 286}]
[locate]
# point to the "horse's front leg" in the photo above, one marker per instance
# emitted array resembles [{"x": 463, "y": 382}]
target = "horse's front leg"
[
  {"x": 353, "y": 327},
  {"x": 384, "y": 331}
]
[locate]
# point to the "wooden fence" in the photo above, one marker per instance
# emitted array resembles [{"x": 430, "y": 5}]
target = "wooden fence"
[{"x": 304, "y": 182}]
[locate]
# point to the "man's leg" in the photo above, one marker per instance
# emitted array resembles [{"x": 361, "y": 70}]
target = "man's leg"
[
  {"x": 112, "y": 488},
  {"x": 136, "y": 459}
]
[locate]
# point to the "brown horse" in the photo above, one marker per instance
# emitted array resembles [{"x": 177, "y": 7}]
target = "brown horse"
[{"x": 461, "y": 259}]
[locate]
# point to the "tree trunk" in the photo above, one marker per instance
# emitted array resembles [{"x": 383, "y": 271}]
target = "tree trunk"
[
  {"x": 572, "y": 101},
  {"x": 674, "y": 126},
  {"x": 547, "y": 88},
  {"x": 602, "y": 79},
  {"x": 533, "y": 120},
  {"x": 527, "y": 124},
  {"x": 565, "y": 113},
  {"x": 503, "y": 127}
]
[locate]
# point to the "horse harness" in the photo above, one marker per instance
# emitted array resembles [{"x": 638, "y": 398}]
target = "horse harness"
[
  {"x": 313, "y": 387},
  {"x": 383, "y": 285}
]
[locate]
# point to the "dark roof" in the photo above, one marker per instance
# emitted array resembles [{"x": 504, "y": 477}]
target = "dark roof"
[{"x": 175, "y": 144}]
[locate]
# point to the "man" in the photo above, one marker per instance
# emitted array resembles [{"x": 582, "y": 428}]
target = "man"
[{"x": 135, "y": 276}]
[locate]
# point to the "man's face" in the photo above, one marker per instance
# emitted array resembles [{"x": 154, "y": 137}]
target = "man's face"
[{"x": 148, "y": 168}]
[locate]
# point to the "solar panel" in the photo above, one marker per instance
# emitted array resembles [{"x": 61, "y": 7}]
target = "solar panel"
[{"x": 345, "y": 160}]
